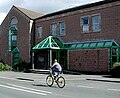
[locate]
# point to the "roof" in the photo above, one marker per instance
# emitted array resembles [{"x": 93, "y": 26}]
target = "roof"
[
  {"x": 78, "y": 8},
  {"x": 91, "y": 44},
  {"x": 50, "y": 42},
  {"x": 29, "y": 13}
]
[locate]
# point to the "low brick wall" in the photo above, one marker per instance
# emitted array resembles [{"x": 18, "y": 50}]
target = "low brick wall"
[{"x": 94, "y": 60}]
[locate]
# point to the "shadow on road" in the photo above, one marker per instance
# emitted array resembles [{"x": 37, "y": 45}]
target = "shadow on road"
[
  {"x": 43, "y": 85},
  {"x": 112, "y": 76}
]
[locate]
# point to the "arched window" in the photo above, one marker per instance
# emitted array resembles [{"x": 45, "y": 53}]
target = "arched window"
[
  {"x": 14, "y": 21},
  {"x": 13, "y": 33}
]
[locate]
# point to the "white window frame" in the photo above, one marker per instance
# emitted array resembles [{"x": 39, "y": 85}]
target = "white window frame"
[
  {"x": 96, "y": 25},
  {"x": 54, "y": 28},
  {"x": 85, "y": 27},
  {"x": 62, "y": 28},
  {"x": 39, "y": 32}
]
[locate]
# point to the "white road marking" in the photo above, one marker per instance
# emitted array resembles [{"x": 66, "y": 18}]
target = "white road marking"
[
  {"x": 15, "y": 79},
  {"x": 85, "y": 86},
  {"x": 114, "y": 89},
  {"x": 7, "y": 78},
  {"x": 23, "y": 90},
  {"x": 29, "y": 88}
]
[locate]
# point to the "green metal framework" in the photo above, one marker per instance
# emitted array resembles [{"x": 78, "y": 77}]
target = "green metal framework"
[
  {"x": 16, "y": 56},
  {"x": 53, "y": 43},
  {"x": 12, "y": 38},
  {"x": 50, "y": 42},
  {"x": 91, "y": 44},
  {"x": 113, "y": 47}
]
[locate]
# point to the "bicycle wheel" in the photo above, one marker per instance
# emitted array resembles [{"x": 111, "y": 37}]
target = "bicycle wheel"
[
  {"x": 61, "y": 82},
  {"x": 49, "y": 80}
]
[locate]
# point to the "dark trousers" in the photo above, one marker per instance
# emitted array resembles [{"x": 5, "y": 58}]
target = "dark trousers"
[{"x": 55, "y": 72}]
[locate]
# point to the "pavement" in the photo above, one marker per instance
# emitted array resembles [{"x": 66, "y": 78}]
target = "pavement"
[
  {"x": 104, "y": 78},
  {"x": 34, "y": 76}
]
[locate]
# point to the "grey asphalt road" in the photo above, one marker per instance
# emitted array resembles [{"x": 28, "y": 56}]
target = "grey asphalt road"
[{"x": 23, "y": 85}]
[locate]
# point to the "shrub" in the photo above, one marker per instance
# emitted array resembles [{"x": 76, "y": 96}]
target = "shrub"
[
  {"x": 5, "y": 67},
  {"x": 8, "y": 67},
  {"x": 116, "y": 69}
]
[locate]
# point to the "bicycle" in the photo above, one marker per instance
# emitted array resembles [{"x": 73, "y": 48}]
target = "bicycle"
[{"x": 60, "y": 80}]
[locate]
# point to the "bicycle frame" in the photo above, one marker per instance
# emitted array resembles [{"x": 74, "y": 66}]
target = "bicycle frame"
[{"x": 50, "y": 79}]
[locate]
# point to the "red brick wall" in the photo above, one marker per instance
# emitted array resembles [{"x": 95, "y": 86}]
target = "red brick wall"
[
  {"x": 95, "y": 60},
  {"x": 23, "y": 36},
  {"x": 110, "y": 23},
  {"x": 92, "y": 59}
]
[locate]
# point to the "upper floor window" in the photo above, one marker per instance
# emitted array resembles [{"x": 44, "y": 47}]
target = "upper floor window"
[
  {"x": 39, "y": 32},
  {"x": 54, "y": 28},
  {"x": 96, "y": 23},
  {"x": 62, "y": 28},
  {"x": 85, "y": 24}
]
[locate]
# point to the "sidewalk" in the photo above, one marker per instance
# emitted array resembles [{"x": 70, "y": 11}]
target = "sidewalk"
[{"x": 104, "y": 78}]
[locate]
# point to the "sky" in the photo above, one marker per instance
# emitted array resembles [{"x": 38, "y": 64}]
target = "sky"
[{"x": 41, "y": 6}]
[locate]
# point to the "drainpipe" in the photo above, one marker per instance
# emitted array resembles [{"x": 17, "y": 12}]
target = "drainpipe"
[
  {"x": 33, "y": 66},
  {"x": 50, "y": 52},
  {"x": 50, "y": 57},
  {"x": 30, "y": 25}
]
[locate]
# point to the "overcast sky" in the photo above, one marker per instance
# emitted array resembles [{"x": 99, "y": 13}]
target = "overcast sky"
[{"x": 42, "y": 6}]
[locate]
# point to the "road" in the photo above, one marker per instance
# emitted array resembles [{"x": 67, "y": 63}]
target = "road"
[{"x": 20, "y": 85}]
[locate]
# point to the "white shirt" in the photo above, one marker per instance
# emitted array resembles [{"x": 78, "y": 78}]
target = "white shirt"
[{"x": 57, "y": 65}]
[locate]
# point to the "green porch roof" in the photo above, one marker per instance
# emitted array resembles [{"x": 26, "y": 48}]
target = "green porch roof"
[
  {"x": 91, "y": 44},
  {"x": 50, "y": 42}
]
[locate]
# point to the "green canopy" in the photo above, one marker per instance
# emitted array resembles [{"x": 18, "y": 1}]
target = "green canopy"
[
  {"x": 91, "y": 44},
  {"x": 50, "y": 42}
]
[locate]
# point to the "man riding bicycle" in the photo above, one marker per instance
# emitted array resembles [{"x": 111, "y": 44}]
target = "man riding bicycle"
[
  {"x": 55, "y": 76},
  {"x": 56, "y": 68}
]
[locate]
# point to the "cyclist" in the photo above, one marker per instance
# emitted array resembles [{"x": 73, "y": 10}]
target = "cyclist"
[{"x": 56, "y": 68}]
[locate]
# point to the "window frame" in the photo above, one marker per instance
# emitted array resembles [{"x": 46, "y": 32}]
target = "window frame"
[
  {"x": 39, "y": 31},
  {"x": 54, "y": 28},
  {"x": 82, "y": 26},
  {"x": 96, "y": 23},
  {"x": 62, "y": 29},
  {"x": 12, "y": 42}
]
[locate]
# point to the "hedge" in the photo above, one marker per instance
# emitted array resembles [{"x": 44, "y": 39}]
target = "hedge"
[{"x": 116, "y": 69}]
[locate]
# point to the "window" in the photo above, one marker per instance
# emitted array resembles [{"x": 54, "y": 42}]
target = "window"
[
  {"x": 13, "y": 30},
  {"x": 39, "y": 32},
  {"x": 54, "y": 29},
  {"x": 62, "y": 28},
  {"x": 10, "y": 42},
  {"x": 12, "y": 38},
  {"x": 85, "y": 24},
  {"x": 96, "y": 23},
  {"x": 14, "y": 21}
]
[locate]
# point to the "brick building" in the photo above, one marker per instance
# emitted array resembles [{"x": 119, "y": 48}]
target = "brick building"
[
  {"x": 83, "y": 38},
  {"x": 89, "y": 34},
  {"x": 16, "y": 35}
]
